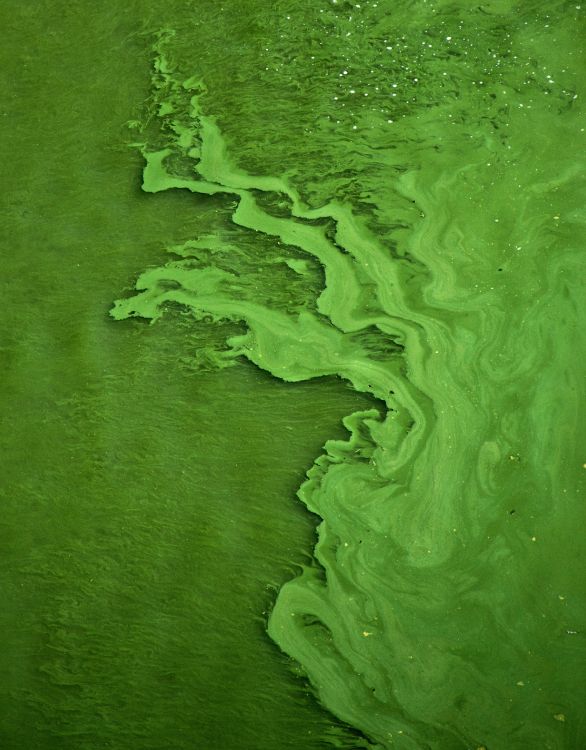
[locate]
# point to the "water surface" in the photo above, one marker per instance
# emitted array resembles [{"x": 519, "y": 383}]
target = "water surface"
[{"x": 370, "y": 211}]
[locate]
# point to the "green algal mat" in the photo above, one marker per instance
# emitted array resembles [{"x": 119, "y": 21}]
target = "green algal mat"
[{"x": 445, "y": 604}]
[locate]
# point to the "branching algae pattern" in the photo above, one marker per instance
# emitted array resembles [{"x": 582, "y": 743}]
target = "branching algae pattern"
[{"x": 420, "y": 235}]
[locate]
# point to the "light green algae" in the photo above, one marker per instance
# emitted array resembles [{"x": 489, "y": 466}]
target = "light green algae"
[{"x": 444, "y": 608}]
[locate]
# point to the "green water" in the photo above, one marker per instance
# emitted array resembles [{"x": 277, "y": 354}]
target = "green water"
[{"x": 370, "y": 212}]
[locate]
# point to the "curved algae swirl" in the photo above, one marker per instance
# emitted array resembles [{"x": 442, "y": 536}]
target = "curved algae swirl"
[{"x": 419, "y": 624}]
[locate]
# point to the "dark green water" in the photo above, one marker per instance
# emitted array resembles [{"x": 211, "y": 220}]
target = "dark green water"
[{"x": 374, "y": 209}]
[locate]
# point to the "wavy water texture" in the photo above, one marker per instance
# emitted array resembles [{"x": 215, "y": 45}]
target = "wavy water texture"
[{"x": 440, "y": 601}]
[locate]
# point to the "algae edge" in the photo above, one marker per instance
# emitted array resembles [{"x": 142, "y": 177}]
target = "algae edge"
[{"x": 327, "y": 619}]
